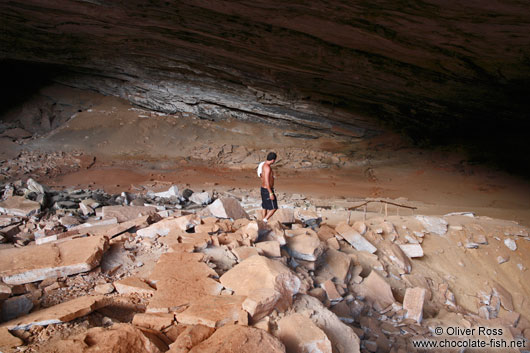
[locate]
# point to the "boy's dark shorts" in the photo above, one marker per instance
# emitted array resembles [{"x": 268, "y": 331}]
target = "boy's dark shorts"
[{"x": 266, "y": 202}]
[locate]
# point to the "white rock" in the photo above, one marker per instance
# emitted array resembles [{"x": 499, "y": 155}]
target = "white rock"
[
  {"x": 172, "y": 191},
  {"x": 510, "y": 244},
  {"x": 435, "y": 225},
  {"x": 200, "y": 198}
]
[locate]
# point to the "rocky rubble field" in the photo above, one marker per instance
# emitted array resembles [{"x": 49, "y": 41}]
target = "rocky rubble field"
[{"x": 184, "y": 271}]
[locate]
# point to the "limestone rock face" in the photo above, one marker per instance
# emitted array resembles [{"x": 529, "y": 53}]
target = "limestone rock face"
[{"x": 428, "y": 67}]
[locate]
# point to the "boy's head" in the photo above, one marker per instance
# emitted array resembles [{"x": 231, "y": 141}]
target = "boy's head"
[{"x": 271, "y": 156}]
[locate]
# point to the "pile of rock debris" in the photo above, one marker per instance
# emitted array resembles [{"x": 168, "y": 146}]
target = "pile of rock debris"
[{"x": 85, "y": 271}]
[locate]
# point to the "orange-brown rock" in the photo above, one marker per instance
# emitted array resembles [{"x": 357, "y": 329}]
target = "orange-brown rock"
[
  {"x": 212, "y": 311},
  {"x": 35, "y": 263},
  {"x": 63, "y": 312},
  {"x": 300, "y": 335},
  {"x": 130, "y": 285},
  {"x": 191, "y": 336},
  {"x": 117, "y": 338},
  {"x": 259, "y": 272},
  {"x": 240, "y": 339}
]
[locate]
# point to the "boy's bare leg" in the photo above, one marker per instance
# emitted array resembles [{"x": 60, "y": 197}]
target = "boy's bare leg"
[
  {"x": 269, "y": 214},
  {"x": 263, "y": 214}
]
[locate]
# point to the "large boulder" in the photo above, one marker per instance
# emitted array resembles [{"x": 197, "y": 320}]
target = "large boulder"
[
  {"x": 227, "y": 207},
  {"x": 240, "y": 339},
  {"x": 258, "y": 272}
]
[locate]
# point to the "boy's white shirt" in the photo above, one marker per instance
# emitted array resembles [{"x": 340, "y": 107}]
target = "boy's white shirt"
[{"x": 260, "y": 169}]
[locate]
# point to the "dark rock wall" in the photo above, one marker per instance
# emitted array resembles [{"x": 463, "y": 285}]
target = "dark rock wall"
[{"x": 438, "y": 70}]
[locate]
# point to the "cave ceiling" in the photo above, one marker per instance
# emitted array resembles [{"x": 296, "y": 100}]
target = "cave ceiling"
[{"x": 430, "y": 68}]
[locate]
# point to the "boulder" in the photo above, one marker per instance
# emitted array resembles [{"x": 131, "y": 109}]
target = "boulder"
[
  {"x": 212, "y": 311},
  {"x": 245, "y": 252},
  {"x": 37, "y": 262},
  {"x": 258, "y": 272},
  {"x": 398, "y": 257},
  {"x": 222, "y": 258},
  {"x": 300, "y": 335},
  {"x": 261, "y": 302},
  {"x": 191, "y": 336},
  {"x": 284, "y": 215},
  {"x": 342, "y": 337},
  {"x": 269, "y": 248},
  {"x": 16, "y": 306},
  {"x": 331, "y": 291},
  {"x": 240, "y": 339},
  {"x": 377, "y": 291},
  {"x": 337, "y": 264},
  {"x": 305, "y": 247},
  {"x": 157, "y": 321},
  {"x": 200, "y": 198},
  {"x": 227, "y": 207},
  {"x": 325, "y": 232},
  {"x": 19, "y": 206}
]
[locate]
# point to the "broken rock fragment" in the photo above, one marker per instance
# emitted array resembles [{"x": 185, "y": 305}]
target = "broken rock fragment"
[
  {"x": 241, "y": 339},
  {"x": 19, "y": 206},
  {"x": 228, "y": 207},
  {"x": 434, "y": 225},
  {"x": 376, "y": 290},
  {"x": 300, "y": 335},
  {"x": 212, "y": 311},
  {"x": 127, "y": 213},
  {"x": 53, "y": 260},
  {"x": 116, "y": 338},
  {"x": 132, "y": 285},
  {"x": 412, "y": 250},
  {"x": 63, "y": 312},
  {"x": 342, "y": 337},
  {"x": 413, "y": 303},
  {"x": 354, "y": 238},
  {"x": 259, "y": 272},
  {"x": 190, "y": 337},
  {"x": 305, "y": 247}
]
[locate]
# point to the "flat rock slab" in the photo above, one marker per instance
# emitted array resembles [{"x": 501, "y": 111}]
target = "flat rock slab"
[
  {"x": 63, "y": 312},
  {"x": 240, "y": 339},
  {"x": 212, "y": 311},
  {"x": 355, "y": 239},
  {"x": 342, "y": 337},
  {"x": 117, "y": 338},
  {"x": 257, "y": 272},
  {"x": 413, "y": 303},
  {"x": 165, "y": 226},
  {"x": 180, "y": 279},
  {"x": 133, "y": 285},
  {"x": 434, "y": 225},
  {"x": 300, "y": 335},
  {"x": 412, "y": 250},
  {"x": 228, "y": 207},
  {"x": 127, "y": 213},
  {"x": 19, "y": 206},
  {"x": 37, "y": 262}
]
